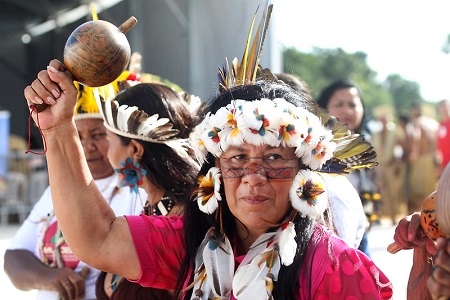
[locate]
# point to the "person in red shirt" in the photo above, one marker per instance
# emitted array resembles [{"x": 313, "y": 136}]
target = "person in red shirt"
[{"x": 443, "y": 138}]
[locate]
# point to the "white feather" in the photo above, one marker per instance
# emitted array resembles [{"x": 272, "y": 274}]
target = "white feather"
[
  {"x": 287, "y": 244},
  {"x": 179, "y": 146},
  {"x": 218, "y": 259},
  {"x": 123, "y": 115},
  {"x": 249, "y": 281},
  {"x": 151, "y": 123},
  {"x": 108, "y": 113}
]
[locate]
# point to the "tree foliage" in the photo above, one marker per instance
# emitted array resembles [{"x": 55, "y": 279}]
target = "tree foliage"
[{"x": 323, "y": 66}]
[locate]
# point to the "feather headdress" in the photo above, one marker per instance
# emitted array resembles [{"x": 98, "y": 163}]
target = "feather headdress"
[
  {"x": 86, "y": 107},
  {"x": 246, "y": 71},
  {"x": 131, "y": 122}
]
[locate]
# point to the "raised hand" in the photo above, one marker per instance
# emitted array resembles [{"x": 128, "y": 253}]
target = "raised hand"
[
  {"x": 409, "y": 234},
  {"x": 54, "y": 87}
]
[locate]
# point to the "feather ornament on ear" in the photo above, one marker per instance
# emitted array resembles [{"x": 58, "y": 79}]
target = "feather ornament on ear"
[{"x": 308, "y": 195}]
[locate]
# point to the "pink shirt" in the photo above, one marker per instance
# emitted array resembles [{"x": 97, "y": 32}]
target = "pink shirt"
[
  {"x": 338, "y": 271},
  {"x": 331, "y": 270},
  {"x": 159, "y": 243}
]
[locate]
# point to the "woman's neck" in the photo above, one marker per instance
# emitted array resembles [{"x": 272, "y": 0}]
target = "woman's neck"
[
  {"x": 246, "y": 237},
  {"x": 154, "y": 193}
]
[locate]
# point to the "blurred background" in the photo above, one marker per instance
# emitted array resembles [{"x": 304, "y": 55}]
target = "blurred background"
[{"x": 396, "y": 51}]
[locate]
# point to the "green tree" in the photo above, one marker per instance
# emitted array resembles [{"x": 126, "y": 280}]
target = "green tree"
[
  {"x": 323, "y": 66},
  {"x": 404, "y": 93}
]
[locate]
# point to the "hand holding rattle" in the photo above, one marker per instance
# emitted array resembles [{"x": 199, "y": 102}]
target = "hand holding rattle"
[{"x": 428, "y": 220}]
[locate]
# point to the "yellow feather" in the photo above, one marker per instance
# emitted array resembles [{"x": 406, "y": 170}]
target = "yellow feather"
[
  {"x": 244, "y": 62},
  {"x": 245, "y": 72},
  {"x": 94, "y": 12}
]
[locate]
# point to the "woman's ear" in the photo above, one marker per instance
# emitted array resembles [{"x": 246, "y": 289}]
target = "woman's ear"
[
  {"x": 137, "y": 150},
  {"x": 217, "y": 163}
]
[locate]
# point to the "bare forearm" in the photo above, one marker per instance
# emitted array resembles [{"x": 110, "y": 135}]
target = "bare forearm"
[
  {"x": 25, "y": 271},
  {"x": 417, "y": 283},
  {"x": 83, "y": 215}
]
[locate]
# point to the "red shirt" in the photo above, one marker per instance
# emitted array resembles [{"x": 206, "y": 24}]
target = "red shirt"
[{"x": 444, "y": 142}]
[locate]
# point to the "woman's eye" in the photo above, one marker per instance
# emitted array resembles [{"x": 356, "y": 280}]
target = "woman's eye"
[
  {"x": 273, "y": 157},
  {"x": 239, "y": 157},
  {"x": 98, "y": 136}
]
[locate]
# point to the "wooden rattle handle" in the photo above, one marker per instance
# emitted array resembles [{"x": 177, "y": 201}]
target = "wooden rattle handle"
[
  {"x": 127, "y": 24},
  {"x": 393, "y": 248}
]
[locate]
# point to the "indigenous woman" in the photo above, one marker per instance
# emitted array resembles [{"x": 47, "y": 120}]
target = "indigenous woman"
[
  {"x": 162, "y": 167},
  {"x": 38, "y": 256}
]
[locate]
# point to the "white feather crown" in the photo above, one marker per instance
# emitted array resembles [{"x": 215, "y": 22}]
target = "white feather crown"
[
  {"x": 129, "y": 121},
  {"x": 272, "y": 122}
]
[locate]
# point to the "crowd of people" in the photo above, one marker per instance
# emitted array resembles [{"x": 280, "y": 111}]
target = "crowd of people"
[{"x": 260, "y": 185}]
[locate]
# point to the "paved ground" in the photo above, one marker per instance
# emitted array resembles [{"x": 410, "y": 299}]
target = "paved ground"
[{"x": 395, "y": 266}]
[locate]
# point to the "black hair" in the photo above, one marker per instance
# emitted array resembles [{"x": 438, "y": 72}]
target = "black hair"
[
  {"x": 296, "y": 82},
  {"x": 328, "y": 92},
  {"x": 198, "y": 223},
  {"x": 165, "y": 168}
]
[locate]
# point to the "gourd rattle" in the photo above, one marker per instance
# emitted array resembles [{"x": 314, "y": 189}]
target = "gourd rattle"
[
  {"x": 428, "y": 219},
  {"x": 97, "y": 52}
]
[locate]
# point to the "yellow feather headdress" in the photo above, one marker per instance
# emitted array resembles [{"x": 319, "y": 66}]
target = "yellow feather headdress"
[
  {"x": 246, "y": 71},
  {"x": 86, "y": 107}
]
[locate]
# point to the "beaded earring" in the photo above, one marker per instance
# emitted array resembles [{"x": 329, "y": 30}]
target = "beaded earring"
[{"x": 132, "y": 174}]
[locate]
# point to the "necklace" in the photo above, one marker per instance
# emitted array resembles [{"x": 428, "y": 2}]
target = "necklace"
[{"x": 162, "y": 208}]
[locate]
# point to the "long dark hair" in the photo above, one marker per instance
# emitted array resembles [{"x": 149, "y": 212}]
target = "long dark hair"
[
  {"x": 328, "y": 92},
  {"x": 165, "y": 168},
  {"x": 197, "y": 223}
]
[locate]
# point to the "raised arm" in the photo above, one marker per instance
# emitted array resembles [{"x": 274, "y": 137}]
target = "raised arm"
[{"x": 89, "y": 225}]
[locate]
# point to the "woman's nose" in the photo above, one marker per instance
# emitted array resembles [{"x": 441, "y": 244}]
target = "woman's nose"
[
  {"x": 88, "y": 145},
  {"x": 349, "y": 110},
  {"x": 255, "y": 174}
]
